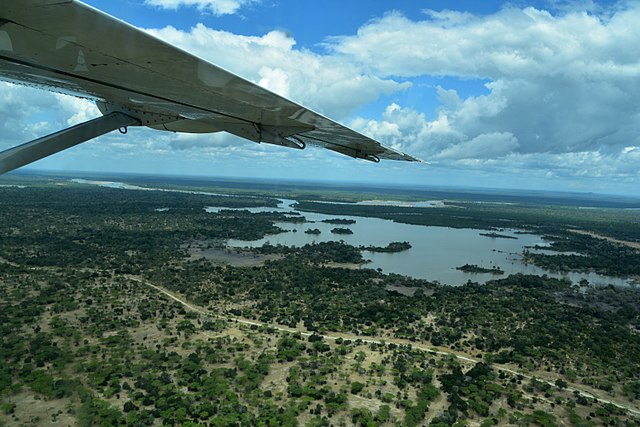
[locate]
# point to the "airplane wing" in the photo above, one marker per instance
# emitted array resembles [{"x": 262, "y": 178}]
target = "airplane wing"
[{"x": 137, "y": 79}]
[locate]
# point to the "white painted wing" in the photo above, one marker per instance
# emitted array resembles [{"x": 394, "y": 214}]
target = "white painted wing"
[{"x": 67, "y": 46}]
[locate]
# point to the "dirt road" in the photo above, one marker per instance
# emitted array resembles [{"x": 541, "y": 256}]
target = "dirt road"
[{"x": 464, "y": 358}]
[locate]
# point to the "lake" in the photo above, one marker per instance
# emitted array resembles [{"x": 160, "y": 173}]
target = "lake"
[{"x": 435, "y": 252}]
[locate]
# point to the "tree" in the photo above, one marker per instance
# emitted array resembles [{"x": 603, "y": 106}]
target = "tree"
[
  {"x": 561, "y": 384},
  {"x": 356, "y": 387}
]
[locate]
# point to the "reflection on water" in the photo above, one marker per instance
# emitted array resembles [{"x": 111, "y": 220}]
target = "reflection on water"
[
  {"x": 421, "y": 204},
  {"x": 435, "y": 252}
]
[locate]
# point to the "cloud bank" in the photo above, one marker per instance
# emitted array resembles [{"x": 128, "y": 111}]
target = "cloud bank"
[
  {"x": 558, "y": 84},
  {"x": 560, "y": 95},
  {"x": 562, "y": 91}
]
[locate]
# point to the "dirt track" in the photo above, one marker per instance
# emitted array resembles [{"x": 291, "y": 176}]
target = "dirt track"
[{"x": 571, "y": 388}]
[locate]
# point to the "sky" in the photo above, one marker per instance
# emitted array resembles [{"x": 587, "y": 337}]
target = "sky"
[{"x": 522, "y": 94}]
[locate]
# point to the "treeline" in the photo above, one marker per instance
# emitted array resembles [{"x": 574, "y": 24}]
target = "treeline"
[
  {"x": 593, "y": 254},
  {"x": 538, "y": 218}
]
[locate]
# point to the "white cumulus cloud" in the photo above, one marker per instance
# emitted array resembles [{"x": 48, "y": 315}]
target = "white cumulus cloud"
[
  {"x": 485, "y": 146},
  {"x": 330, "y": 84},
  {"x": 217, "y": 7},
  {"x": 559, "y": 83}
]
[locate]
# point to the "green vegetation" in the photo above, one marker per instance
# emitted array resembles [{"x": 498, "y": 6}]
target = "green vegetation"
[
  {"x": 89, "y": 335},
  {"x": 340, "y": 221},
  {"x": 588, "y": 254},
  {"x": 495, "y": 235},
  {"x": 473, "y": 268},
  {"x": 316, "y": 253},
  {"x": 391, "y": 247},
  {"x": 340, "y": 230}
]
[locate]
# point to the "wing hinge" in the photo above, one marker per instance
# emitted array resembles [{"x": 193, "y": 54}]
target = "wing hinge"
[
  {"x": 367, "y": 156},
  {"x": 37, "y": 149}
]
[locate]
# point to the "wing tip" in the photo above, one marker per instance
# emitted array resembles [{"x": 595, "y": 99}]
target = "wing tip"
[{"x": 394, "y": 154}]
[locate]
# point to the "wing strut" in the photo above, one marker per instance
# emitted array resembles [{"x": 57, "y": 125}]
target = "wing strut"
[{"x": 37, "y": 149}]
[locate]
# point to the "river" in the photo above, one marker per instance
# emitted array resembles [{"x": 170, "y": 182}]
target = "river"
[{"x": 435, "y": 251}]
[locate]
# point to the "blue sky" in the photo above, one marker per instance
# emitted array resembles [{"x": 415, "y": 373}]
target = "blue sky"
[{"x": 533, "y": 95}]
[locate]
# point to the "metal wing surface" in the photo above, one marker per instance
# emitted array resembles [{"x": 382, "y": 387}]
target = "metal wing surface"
[{"x": 70, "y": 47}]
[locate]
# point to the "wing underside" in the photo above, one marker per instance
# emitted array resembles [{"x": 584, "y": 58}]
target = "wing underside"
[{"x": 67, "y": 46}]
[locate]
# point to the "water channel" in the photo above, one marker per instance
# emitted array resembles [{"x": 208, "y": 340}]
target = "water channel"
[{"x": 435, "y": 251}]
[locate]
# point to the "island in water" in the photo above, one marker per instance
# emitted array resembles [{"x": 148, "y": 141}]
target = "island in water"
[
  {"x": 473, "y": 268},
  {"x": 391, "y": 247},
  {"x": 339, "y": 230},
  {"x": 341, "y": 221},
  {"x": 495, "y": 235}
]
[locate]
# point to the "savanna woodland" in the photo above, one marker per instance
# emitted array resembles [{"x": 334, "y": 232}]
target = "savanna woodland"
[{"x": 126, "y": 307}]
